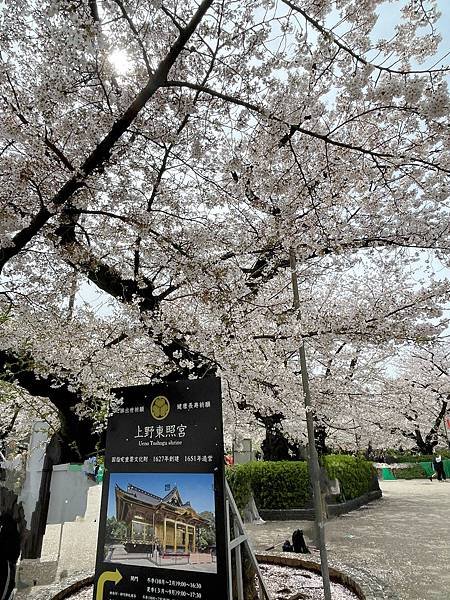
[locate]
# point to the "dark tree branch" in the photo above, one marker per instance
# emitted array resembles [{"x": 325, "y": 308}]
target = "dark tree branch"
[
  {"x": 432, "y": 434},
  {"x": 5, "y": 431},
  {"x": 101, "y": 154},
  {"x": 76, "y": 434},
  {"x": 104, "y": 276},
  {"x": 328, "y": 34},
  {"x": 294, "y": 128}
]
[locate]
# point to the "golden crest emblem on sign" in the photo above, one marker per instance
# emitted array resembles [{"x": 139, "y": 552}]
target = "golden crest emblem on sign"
[{"x": 160, "y": 408}]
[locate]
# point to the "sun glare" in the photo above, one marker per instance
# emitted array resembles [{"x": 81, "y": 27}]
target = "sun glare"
[{"x": 120, "y": 60}]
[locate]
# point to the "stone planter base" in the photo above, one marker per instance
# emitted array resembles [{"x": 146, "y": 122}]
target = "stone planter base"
[
  {"x": 336, "y": 576},
  {"x": 75, "y": 587},
  {"x": 363, "y": 584},
  {"x": 307, "y": 514}
]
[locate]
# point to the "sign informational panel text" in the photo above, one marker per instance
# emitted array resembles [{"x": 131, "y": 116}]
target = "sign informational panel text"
[{"x": 162, "y": 523}]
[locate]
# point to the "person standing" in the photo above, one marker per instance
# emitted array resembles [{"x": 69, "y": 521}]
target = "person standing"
[
  {"x": 438, "y": 465},
  {"x": 9, "y": 554}
]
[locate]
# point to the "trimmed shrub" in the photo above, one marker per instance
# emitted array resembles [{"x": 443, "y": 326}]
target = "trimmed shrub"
[
  {"x": 412, "y": 472},
  {"x": 239, "y": 480},
  {"x": 281, "y": 484},
  {"x": 285, "y": 484},
  {"x": 355, "y": 474}
]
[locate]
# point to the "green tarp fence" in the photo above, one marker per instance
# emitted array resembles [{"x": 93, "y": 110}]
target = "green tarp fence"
[
  {"x": 75, "y": 467},
  {"x": 100, "y": 474},
  {"x": 386, "y": 473},
  {"x": 429, "y": 470},
  {"x": 427, "y": 466}
]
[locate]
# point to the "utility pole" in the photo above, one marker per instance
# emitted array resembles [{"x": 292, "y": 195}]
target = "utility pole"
[{"x": 314, "y": 470}]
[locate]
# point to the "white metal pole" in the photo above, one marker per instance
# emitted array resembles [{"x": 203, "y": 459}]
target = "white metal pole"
[{"x": 314, "y": 470}]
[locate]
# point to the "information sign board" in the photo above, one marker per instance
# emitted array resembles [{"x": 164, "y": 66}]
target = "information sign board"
[{"x": 162, "y": 524}]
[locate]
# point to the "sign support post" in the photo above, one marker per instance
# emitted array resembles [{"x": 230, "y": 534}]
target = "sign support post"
[{"x": 234, "y": 543}]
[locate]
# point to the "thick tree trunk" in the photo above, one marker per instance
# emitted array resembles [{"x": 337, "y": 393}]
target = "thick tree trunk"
[
  {"x": 276, "y": 445},
  {"x": 426, "y": 445},
  {"x": 76, "y": 435}
]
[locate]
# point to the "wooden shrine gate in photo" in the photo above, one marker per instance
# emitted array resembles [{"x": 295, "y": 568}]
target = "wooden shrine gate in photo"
[{"x": 166, "y": 522}]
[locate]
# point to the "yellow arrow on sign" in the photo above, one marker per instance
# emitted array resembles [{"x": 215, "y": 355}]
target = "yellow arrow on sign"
[{"x": 114, "y": 576}]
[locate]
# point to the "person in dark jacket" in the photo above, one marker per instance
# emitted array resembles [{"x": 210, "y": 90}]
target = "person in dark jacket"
[
  {"x": 298, "y": 542},
  {"x": 9, "y": 554},
  {"x": 438, "y": 466}
]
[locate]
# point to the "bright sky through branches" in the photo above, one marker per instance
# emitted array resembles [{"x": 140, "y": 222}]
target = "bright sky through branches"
[{"x": 120, "y": 61}]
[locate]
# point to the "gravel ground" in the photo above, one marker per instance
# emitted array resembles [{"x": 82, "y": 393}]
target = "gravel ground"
[
  {"x": 283, "y": 583},
  {"x": 402, "y": 539}
]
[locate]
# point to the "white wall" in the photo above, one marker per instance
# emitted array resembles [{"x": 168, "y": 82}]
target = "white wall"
[
  {"x": 35, "y": 461},
  {"x": 70, "y": 541},
  {"x": 68, "y": 494}
]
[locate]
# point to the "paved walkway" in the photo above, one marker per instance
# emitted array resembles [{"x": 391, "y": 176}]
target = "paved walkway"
[{"x": 403, "y": 538}]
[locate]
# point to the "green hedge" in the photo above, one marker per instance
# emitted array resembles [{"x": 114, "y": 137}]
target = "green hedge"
[
  {"x": 413, "y": 472},
  {"x": 285, "y": 484},
  {"x": 355, "y": 474},
  {"x": 416, "y": 458},
  {"x": 239, "y": 480}
]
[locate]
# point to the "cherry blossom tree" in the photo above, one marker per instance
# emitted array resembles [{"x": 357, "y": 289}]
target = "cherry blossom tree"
[
  {"x": 421, "y": 393},
  {"x": 175, "y": 186},
  {"x": 396, "y": 400}
]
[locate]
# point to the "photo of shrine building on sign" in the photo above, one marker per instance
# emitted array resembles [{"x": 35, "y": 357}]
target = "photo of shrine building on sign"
[{"x": 154, "y": 522}]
